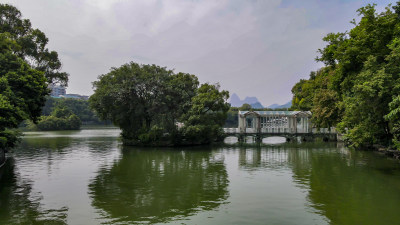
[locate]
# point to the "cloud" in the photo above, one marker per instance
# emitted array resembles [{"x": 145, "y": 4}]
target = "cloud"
[{"x": 252, "y": 48}]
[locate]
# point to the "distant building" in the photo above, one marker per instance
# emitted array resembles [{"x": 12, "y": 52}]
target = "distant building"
[
  {"x": 57, "y": 90},
  {"x": 75, "y": 96}
]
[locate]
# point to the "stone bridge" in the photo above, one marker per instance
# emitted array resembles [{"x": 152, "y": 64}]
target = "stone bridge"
[{"x": 289, "y": 124}]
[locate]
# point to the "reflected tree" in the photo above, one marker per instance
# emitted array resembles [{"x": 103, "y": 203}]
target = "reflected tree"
[
  {"x": 341, "y": 190},
  {"x": 18, "y": 204},
  {"x": 156, "y": 186}
]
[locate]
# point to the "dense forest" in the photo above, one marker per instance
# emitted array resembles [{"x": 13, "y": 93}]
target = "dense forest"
[{"x": 358, "y": 89}]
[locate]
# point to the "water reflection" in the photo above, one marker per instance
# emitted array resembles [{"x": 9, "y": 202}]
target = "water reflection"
[
  {"x": 286, "y": 155},
  {"x": 154, "y": 185},
  {"x": 340, "y": 188},
  {"x": 88, "y": 178},
  {"x": 255, "y": 158},
  {"x": 19, "y": 205}
]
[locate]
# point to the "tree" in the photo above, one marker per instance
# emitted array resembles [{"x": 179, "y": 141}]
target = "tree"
[
  {"x": 145, "y": 101},
  {"x": 325, "y": 110},
  {"x": 32, "y": 44},
  {"x": 245, "y": 107},
  {"x": 62, "y": 118},
  {"x": 61, "y": 112},
  {"x": 22, "y": 91},
  {"x": 207, "y": 115},
  {"x": 232, "y": 118},
  {"x": 78, "y": 107},
  {"x": 359, "y": 81}
]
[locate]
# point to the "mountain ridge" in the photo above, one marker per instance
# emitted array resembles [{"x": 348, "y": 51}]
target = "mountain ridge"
[{"x": 235, "y": 101}]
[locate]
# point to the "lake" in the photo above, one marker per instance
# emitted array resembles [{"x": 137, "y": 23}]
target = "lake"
[{"x": 88, "y": 177}]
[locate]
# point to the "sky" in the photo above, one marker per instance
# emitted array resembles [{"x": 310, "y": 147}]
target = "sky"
[{"x": 255, "y": 48}]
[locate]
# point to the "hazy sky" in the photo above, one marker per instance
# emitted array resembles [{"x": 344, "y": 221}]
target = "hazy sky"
[{"x": 253, "y": 48}]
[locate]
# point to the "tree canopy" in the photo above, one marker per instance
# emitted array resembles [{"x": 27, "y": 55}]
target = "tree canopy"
[
  {"x": 358, "y": 88},
  {"x": 32, "y": 44},
  {"x": 61, "y": 118},
  {"x": 147, "y": 102},
  {"x": 78, "y": 107},
  {"x": 22, "y": 91},
  {"x": 27, "y": 66}
]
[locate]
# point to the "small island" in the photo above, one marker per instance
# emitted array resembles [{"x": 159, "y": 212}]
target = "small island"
[{"x": 154, "y": 106}]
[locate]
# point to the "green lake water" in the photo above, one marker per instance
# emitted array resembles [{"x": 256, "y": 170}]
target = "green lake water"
[{"x": 87, "y": 177}]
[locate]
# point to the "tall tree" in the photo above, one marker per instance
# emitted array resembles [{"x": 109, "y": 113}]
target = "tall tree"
[
  {"x": 22, "y": 91},
  {"x": 32, "y": 44},
  {"x": 143, "y": 98},
  {"x": 360, "y": 79},
  {"x": 207, "y": 115}
]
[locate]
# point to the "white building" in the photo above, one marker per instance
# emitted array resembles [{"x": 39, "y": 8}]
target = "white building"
[
  {"x": 275, "y": 122},
  {"x": 57, "y": 90}
]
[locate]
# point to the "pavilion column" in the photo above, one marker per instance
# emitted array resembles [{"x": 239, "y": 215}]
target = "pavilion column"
[
  {"x": 257, "y": 124},
  {"x": 242, "y": 123}
]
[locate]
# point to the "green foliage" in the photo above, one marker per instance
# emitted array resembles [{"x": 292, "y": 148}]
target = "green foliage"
[
  {"x": 245, "y": 107},
  {"x": 394, "y": 118},
  {"x": 325, "y": 108},
  {"x": 22, "y": 91},
  {"x": 305, "y": 90},
  {"x": 232, "y": 118},
  {"x": 26, "y": 65},
  {"x": 61, "y": 118},
  {"x": 137, "y": 97},
  {"x": 359, "y": 81},
  {"x": 55, "y": 123},
  {"x": 31, "y": 44},
  {"x": 78, "y": 107},
  {"x": 147, "y": 101},
  {"x": 204, "y": 121},
  {"x": 61, "y": 112}
]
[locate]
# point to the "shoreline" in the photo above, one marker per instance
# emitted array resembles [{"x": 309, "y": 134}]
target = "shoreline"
[{"x": 389, "y": 152}]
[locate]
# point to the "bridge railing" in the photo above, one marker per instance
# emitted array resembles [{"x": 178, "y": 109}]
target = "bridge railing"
[
  {"x": 251, "y": 130},
  {"x": 324, "y": 131},
  {"x": 277, "y": 130},
  {"x": 282, "y": 130},
  {"x": 231, "y": 130}
]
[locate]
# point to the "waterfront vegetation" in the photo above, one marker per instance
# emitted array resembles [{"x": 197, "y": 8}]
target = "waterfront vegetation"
[
  {"x": 155, "y": 106},
  {"x": 358, "y": 89},
  {"x": 22, "y": 92},
  {"x": 64, "y": 114},
  {"x": 61, "y": 118},
  {"x": 26, "y": 67},
  {"x": 78, "y": 107}
]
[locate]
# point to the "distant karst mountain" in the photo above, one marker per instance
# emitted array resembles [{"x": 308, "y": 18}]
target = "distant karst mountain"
[
  {"x": 237, "y": 102},
  {"x": 276, "y": 106},
  {"x": 255, "y": 104}
]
